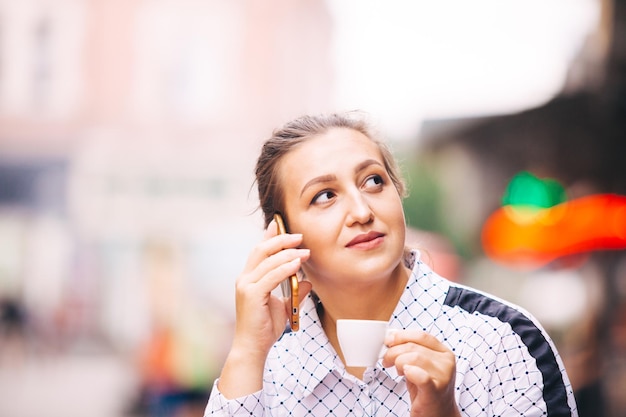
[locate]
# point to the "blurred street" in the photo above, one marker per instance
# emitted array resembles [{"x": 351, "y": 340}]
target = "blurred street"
[
  {"x": 128, "y": 136},
  {"x": 90, "y": 384}
]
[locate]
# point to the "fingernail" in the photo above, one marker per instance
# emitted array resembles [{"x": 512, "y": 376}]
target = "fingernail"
[{"x": 390, "y": 336}]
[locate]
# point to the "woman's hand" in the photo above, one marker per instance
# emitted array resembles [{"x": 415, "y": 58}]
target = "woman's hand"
[
  {"x": 261, "y": 316},
  {"x": 429, "y": 368}
]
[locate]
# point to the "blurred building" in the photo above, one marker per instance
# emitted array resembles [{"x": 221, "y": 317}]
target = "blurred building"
[{"x": 128, "y": 136}]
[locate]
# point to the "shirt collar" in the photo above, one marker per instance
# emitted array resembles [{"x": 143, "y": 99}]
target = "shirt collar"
[{"x": 313, "y": 340}]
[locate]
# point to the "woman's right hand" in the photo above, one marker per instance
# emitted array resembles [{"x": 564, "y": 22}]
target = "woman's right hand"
[{"x": 261, "y": 316}]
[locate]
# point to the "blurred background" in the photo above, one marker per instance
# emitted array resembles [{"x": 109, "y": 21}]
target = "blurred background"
[{"x": 128, "y": 135}]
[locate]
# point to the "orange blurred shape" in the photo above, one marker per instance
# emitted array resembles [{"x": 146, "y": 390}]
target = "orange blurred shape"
[{"x": 532, "y": 236}]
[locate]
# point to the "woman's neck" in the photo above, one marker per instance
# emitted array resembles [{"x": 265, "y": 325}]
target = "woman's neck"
[{"x": 374, "y": 301}]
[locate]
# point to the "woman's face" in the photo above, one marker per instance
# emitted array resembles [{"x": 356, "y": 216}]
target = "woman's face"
[{"x": 339, "y": 195}]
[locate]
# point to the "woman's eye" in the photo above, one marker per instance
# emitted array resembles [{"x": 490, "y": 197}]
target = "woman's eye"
[
  {"x": 375, "y": 181},
  {"x": 323, "y": 197}
]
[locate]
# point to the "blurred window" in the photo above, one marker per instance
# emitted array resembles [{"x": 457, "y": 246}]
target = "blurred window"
[
  {"x": 42, "y": 62},
  {"x": 38, "y": 185}
]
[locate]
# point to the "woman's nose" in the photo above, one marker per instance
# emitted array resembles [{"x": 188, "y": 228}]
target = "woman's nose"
[{"x": 359, "y": 210}]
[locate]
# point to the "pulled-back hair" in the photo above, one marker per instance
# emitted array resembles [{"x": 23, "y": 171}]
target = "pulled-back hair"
[{"x": 293, "y": 133}]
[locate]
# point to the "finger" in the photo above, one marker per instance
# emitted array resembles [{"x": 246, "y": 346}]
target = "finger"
[
  {"x": 440, "y": 366},
  {"x": 419, "y": 337},
  {"x": 407, "y": 353},
  {"x": 270, "y": 247},
  {"x": 277, "y": 262},
  {"x": 416, "y": 375},
  {"x": 428, "y": 393},
  {"x": 271, "y": 231},
  {"x": 269, "y": 275},
  {"x": 418, "y": 380}
]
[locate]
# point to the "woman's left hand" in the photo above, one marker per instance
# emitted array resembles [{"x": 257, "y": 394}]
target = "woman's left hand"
[{"x": 429, "y": 368}]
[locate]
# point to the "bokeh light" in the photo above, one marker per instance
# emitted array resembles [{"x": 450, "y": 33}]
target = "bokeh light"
[{"x": 536, "y": 226}]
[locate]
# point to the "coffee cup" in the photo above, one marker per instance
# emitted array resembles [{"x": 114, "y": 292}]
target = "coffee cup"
[{"x": 361, "y": 341}]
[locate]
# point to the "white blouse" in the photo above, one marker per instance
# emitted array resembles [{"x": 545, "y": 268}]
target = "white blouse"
[{"x": 506, "y": 363}]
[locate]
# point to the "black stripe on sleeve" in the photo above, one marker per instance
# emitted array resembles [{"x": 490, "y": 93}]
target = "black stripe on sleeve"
[{"x": 554, "y": 392}]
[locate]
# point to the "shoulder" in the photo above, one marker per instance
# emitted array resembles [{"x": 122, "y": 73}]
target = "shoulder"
[
  {"x": 495, "y": 341},
  {"x": 507, "y": 339},
  {"x": 471, "y": 318},
  {"x": 481, "y": 306},
  {"x": 470, "y": 304}
]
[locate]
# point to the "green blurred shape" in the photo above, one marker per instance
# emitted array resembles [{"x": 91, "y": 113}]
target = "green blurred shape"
[{"x": 526, "y": 189}]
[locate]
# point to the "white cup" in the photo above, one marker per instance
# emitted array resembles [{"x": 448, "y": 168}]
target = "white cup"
[{"x": 361, "y": 341}]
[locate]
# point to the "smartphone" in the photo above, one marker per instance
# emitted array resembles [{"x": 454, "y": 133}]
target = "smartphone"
[{"x": 289, "y": 287}]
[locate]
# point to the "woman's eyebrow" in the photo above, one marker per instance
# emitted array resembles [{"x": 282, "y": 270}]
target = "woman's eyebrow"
[
  {"x": 363, "y": 165},
  {"x": 317, "y": 180}
]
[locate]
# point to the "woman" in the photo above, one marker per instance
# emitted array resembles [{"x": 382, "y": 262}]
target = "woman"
[{"x": 456, "y": 351}]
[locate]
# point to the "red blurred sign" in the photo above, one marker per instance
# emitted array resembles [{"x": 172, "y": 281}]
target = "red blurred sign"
[{"x": 531, "y": 236}]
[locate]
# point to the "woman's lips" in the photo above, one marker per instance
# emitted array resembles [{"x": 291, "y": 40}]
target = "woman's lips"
[{"x": 366, "y": 240}]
